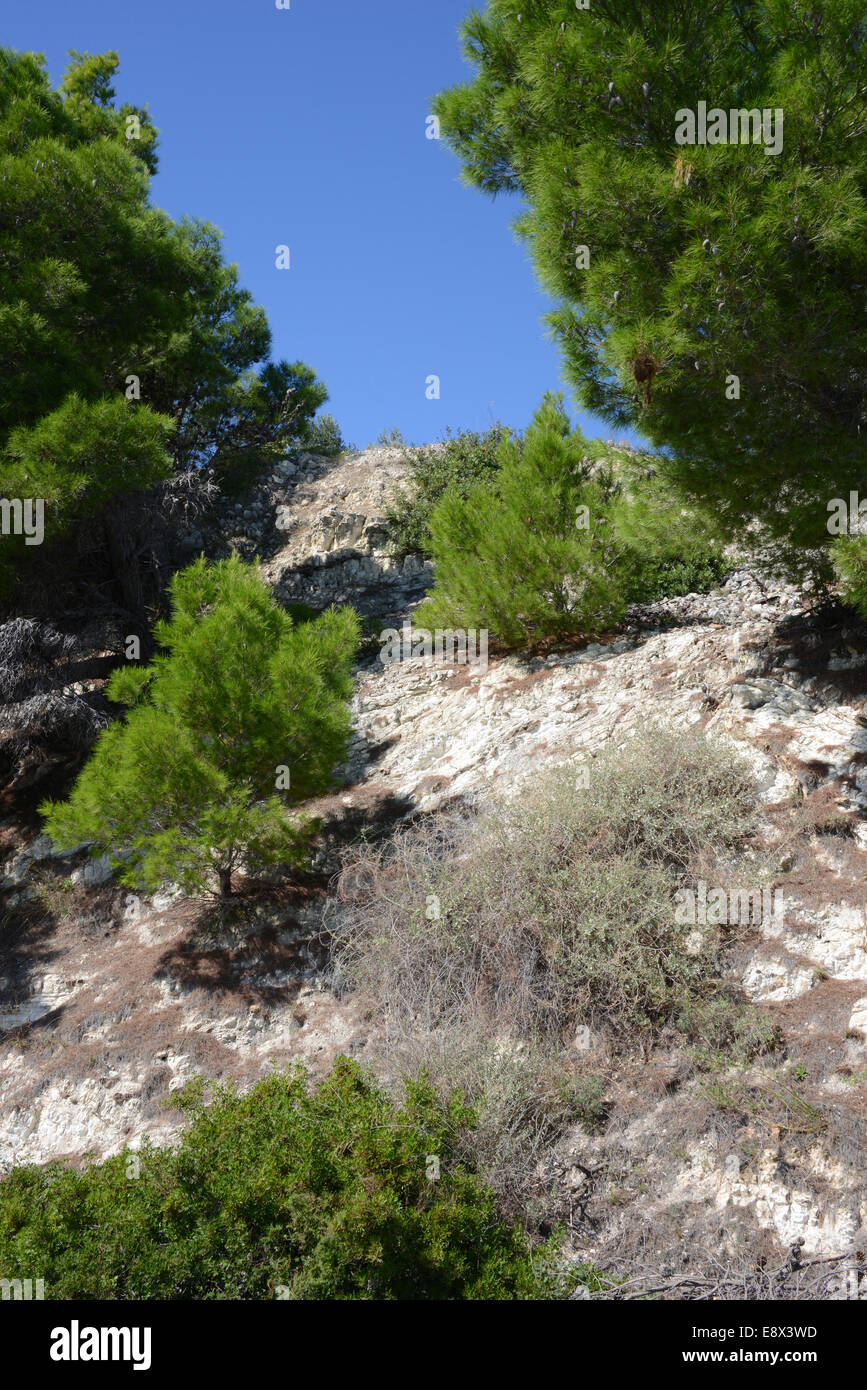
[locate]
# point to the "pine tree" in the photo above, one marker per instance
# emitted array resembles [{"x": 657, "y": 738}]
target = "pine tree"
[
  {"x": 710, "y": 295},
  {"x": 127, "y": 348},
  {"x": 850, "y": 560},
  {"x": 241, "y": 716},
  {"x": 537, "y": 557}
]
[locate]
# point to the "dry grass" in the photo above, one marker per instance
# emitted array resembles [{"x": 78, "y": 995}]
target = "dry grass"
[
  {"x": 554, "y": 912},
  {"x": 516, "y": 952},
  {"x": 717, "y": 1275}
]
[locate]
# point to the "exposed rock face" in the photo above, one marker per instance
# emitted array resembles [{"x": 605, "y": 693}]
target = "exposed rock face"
[
  {"x": 136, "y": 1002},
  {"x": 51, "y": 707},
  {"x": 319, "y": 526},
  {"x": 109, "y": 1002}
]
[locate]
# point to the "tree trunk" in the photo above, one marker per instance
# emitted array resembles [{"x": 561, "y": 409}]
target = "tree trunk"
[{"x": 225, "y": 877}]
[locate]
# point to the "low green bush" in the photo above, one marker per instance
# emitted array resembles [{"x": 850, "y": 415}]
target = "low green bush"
[
  {"x": 336, "y": 1194},
  {"x": 391, "y": 438},
  {"x": 324, "y": 437},
  {"x": 532, "y": 555},
  {"x": 556, "y": 909},
  {"x": 850, "y": 559},
  {"x": 461, "y": 462},
  {"x": 496, "y": 946},
  {"x": 555, "y": 538},
  {"x": 671, "y": 548}
]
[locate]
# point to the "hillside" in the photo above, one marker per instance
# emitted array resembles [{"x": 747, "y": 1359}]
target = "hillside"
[{"x": 110, "y": 1001}]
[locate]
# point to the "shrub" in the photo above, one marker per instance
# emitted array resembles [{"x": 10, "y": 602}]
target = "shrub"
[
  {"x": 850, "y": 558},
  {"x": 325, "y": 437},
  {"x": 515, "y": 560},
  {"x": 187, "y": 786},
  {"x": 456, "y": 465},
  {"x": 560, "y": 538},
  {"x": 555, "y": 910},
  {"x": 670, "y": 576},
  {"x": 671, "y": 548},
  {"x": 727, "y": 1031},
  {"x": 524, "y": 1098},
  {"x": 488, "y": 940},
  {"x": 667, "y": 796},
  {"x": 391, "y": 437},
  {"x": 279, "y": 1192}
]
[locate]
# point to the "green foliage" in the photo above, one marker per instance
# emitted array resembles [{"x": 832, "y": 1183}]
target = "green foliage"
[
  {"x": 84, "y": 452},
  {"x": 256, "y": 419},
  {"x": 457, "y": 465},
  {"x": 88, "y": 98},
  {"x": 79, "y": 302},
  {"x": 325, "y": 437},
  {"x": 233, "y": 407},
  {"x": 517, "y": 562},
  {"x": 558, "y": 538},
  {"x": 777, "y": 1106},
  {"x": 556, "y": 910},
  {"x": 726, "y": 1031},
  {"x": 186, "y": 786},
  {"x": 97, "y": 286},
  {"x": 672, "y": 548},
  {"x": 277, "y": 1193},
  {"x": 850, "y": 558},
  {"x": 389, "y": 437},
  {"x": 704, "y": 260},
  {"x": 300, "y": 612},
  {"x": 671, "y": 576},
  {"x": 584, "y": 1097}
]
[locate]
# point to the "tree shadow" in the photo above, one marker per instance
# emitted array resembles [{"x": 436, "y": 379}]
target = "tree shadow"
[
  {"x": 262, "y": 944},
  {"x": 27, "y": 947}
]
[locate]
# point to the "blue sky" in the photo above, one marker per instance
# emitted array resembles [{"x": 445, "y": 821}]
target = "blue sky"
[{"x": 306, "y": 127}]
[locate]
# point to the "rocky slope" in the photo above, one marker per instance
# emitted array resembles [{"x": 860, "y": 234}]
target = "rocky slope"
[{"x": 109, "y": 1002}]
